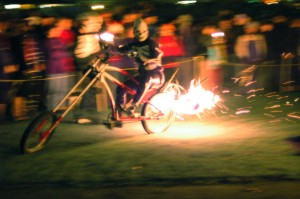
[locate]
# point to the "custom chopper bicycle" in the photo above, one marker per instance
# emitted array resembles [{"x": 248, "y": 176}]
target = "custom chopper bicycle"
[{"x": 156, "y": 113}]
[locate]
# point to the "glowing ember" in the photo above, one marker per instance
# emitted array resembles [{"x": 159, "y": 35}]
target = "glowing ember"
[
  {"x": 269, "y": 115},
  {"x": 250, "y": 83},
  {"x": 251, "y": 96},
  {"x": 226, "y": 91},
  {"x": 294, "y": 115},
  {"x": 196, "y": 100},
  {"x": 242, "y": 112},
  {"x": 271, "y": 107}
]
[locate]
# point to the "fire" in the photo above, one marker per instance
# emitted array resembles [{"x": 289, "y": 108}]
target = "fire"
[{"x": 196, "y": 100}]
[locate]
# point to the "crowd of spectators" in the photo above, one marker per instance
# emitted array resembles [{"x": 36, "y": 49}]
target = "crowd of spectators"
[{"x": 44, "y": 47}]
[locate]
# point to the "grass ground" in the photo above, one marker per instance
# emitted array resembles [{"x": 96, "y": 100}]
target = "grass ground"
[{"x": 236, "y": 148}]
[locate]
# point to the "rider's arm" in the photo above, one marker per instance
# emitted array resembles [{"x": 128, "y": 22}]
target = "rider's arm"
[
  {"x": 127, "y": 50},
  {"x": 155, "y": 54}
]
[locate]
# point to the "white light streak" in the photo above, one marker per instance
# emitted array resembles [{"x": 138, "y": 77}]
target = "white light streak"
[
  {"x": 12, "y": 6},
  {"x": 97, "y": 7},
  {"x": 54, "y": 5},
  {"x": 217, "y": 34},
  {"x": 187, "y": 2}
]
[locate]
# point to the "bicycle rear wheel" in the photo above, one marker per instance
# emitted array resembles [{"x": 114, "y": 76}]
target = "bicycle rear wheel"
[
  {"x": 37, "y": 133},
  {"x": 157, "y": 113}
]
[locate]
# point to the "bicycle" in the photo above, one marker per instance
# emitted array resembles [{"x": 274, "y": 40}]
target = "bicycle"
[{"x": 155, "y": 116}]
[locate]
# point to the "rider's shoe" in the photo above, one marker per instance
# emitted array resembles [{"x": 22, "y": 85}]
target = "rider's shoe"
[{"x": 129, "y": 109}]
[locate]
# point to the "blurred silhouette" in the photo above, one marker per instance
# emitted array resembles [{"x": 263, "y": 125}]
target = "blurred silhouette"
[
  {"x": 295, "y": 49},
  {"x": 184, "y": 24},
  {"x": 60, "y": 67},
  {"x": 225, "y": 24},
  {"x": 8, "y": 68},
  {"x": 30, "y": 52},
  {"x": 87, "y": 46},
  {"x": 251, "y": 49},
  {"x": 282, "y": 40},
  {"x": 295, "y": 142},
  {"x": 172, "y": 47},
  {"x": 214, "y": 42}
]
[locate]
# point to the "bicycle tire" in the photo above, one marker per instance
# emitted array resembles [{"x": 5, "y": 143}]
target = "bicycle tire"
[
  {"x": 157, "y": 116},
  {"x": 37, "y": 133}
]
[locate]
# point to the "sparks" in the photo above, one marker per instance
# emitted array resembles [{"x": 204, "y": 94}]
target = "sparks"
[
  {"x": 250, "y": 83},
  {"x": 293, "y": 115},
  {"x": 226, "y": 91},
  {"x": 269, "y": 115},
  {"x": 288, "y": 82},
  {"x": 196, "y": 100},
  {"x": 251, "y": 96},
  {"x": 242, "y": 112},
  {"x": 271, "y": 107}
]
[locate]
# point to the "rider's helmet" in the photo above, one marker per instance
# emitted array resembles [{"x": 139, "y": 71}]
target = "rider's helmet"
[{"x": 140, "y": 30}]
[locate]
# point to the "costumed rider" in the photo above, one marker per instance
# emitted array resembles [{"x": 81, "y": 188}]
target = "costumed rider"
[{"x": 147, "y": 56}]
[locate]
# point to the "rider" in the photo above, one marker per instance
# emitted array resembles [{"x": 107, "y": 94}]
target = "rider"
[{"x": 147, "y": 56}]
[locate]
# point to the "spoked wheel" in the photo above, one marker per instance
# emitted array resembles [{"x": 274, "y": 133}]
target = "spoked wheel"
[
  {"x": 173, "y": 87},
  {"x": 157, "y": 113},
  {"x": 37, "y": 133}
]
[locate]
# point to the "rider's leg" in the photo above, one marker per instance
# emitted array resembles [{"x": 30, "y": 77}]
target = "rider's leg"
[{"x": 121, "y": 95}]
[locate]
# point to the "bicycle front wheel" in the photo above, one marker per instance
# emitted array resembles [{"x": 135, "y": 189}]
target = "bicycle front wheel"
[
  {"x": 37, "y": 133},
  {"x": 157, "y": 113}
]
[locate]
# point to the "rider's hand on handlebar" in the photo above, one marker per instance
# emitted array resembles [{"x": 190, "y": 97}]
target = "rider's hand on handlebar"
[{"x": 132, "y": 53}]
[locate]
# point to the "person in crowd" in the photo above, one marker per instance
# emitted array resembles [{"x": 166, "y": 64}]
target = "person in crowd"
[
  {"x": 172, "y": 47},
  {"x": 280, "y": 34},
  {"x": 87, "y": 47},
  {"x": 184, "y": 24},
  {"x": 8, "y": 68},
  {"x": 184, "y": 28},
  {"x": 239, "y": 22},
  {"x": 47, "y": 21},
  {"x": 214, "y": 42},
  {"x": 152, "y": 22},
  {"x": 30, "y": 53},
  {"x": 60, "y": 66},
  {"x": 204, "y": 38},
  {"x": 148, "y": 58},
  {"x": 266, "y": 28},
  {"x": 251, "y": 49},
  {"x": 225, "y": 24},
  {"x": 282, "y": 42},
  {"x": 295, "y": 35}
]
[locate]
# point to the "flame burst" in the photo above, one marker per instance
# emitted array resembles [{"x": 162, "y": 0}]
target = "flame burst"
[{"x": 196, "y": 100}]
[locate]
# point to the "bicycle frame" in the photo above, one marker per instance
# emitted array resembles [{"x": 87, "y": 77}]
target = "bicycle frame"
[{"x": 102, "y": 69}]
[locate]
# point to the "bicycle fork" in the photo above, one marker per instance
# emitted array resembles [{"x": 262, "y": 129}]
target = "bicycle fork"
[{"x": 73, "y": 103}]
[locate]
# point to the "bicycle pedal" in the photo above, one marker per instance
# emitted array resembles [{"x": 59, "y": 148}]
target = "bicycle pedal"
[
  {"x": 112, "y": 124},
  {"x": 108, "y": 124},
  {"x": 119, "y": 124}
]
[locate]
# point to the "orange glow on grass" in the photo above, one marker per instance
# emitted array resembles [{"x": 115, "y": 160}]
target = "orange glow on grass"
[{"x": 193, "y": 131}]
